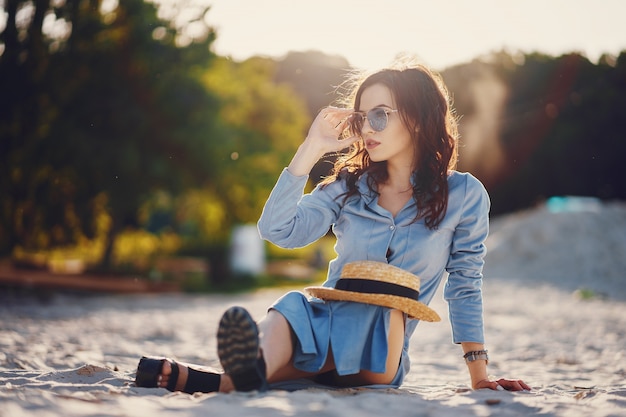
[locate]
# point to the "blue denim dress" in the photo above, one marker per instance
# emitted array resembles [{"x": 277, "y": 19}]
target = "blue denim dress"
[{"x": 356, "y": 332}]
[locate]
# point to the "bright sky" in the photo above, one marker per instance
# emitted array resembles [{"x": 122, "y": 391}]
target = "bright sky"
[{"x": 440, "y": 32}]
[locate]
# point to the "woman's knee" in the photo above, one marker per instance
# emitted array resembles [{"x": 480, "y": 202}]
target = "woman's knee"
[
  {"x": 276, "y": 341},
  {"x": 275, "y": 325}
]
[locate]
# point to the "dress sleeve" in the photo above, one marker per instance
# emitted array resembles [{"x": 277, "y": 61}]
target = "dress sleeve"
[
  {"x": 465, "y": 265},
  {"x": 292, "y": 219}
]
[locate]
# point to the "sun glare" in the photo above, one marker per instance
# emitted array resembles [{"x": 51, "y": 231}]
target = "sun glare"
[{"x": 370, "y": 34}]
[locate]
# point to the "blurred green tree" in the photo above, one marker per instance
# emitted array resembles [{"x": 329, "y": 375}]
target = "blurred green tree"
[
  {"x": 98, "y": 99},
  {"x": 270, "y": 121}
]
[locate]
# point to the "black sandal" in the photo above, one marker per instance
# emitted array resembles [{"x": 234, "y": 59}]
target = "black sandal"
[
  {"x": 239, "y": 350},
  {"x": 149, "y": 369}
]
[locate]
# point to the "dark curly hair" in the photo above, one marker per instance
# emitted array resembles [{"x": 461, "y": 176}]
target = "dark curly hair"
[{"x": 425, "y": 109}]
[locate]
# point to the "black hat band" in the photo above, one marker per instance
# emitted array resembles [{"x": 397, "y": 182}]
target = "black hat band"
[{"x": 368, "y": 286}]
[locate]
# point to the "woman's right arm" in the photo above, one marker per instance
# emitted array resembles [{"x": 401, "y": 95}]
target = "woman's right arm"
[
  {"x": 293, "y": 220},
  {"x": 290, "y": 219},
  {"x": 324, "y": 137}
]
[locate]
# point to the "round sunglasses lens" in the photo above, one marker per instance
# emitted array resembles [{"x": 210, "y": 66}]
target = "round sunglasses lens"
[{"x": 377, "y": 119}]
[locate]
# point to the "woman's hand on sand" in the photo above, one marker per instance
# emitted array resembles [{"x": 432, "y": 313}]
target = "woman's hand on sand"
[{"x": 503, "y": 384}]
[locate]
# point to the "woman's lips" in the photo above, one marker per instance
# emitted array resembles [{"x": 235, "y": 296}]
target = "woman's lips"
[{"x": 371, "y": 144}]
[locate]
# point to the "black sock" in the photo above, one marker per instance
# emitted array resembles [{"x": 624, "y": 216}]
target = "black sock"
[{"x": 198, "y": 381}]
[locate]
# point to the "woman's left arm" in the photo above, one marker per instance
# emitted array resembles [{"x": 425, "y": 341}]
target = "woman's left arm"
[{"x": 463, "y": 288}]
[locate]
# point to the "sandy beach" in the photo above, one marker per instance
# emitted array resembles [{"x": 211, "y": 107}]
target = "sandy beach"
[{"x": 555, "y": 314}]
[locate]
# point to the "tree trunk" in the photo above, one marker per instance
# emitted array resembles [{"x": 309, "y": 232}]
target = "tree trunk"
[
  {"x": 106, "y": 262},
  {"x": 9, "y": 35}
]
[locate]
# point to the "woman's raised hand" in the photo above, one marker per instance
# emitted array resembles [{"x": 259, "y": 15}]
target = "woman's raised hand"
[
  {"x": 325, "y": 135},
  {"x": 327, "y": 128}
]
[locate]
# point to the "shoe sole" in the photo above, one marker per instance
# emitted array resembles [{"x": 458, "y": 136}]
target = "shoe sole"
[{"x": 238, "y": 349}]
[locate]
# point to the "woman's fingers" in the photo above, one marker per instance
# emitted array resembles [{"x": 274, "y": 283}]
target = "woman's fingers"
[
  {"x": 504, "y": 384},
  {"x": 336, "y": 117},
  {"x": 513, "y": 384},
  {"x": 327, "y": 129}
]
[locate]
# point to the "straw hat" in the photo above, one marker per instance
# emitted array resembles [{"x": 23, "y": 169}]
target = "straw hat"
[{"x": 380, "y": 284}]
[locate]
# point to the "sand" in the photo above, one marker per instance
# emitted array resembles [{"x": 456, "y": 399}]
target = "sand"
[{"x": 555, "y": 313}]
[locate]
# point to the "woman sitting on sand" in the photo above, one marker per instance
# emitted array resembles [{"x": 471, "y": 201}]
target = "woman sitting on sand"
[{"x": 392, "y": 200}]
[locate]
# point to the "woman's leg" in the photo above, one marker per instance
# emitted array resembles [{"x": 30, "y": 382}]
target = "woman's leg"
[
  {"x": 277, "y": 347},
  {"x": 276, "y": 341},
  {"x": 276, "y": 344},
  {"x": 395, "y": 342}
]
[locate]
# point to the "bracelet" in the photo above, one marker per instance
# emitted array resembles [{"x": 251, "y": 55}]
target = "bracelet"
[{"x": 476, "y": 355}]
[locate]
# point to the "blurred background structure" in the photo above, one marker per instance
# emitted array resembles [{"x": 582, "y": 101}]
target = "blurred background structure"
[{"x": 126, "y": 140}]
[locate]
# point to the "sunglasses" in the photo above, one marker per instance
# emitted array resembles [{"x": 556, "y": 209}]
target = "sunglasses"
[{"x": 378, "y": 117}]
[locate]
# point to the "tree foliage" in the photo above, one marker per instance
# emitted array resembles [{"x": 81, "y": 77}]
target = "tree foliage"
[
  {"x": 558, "y": 132},
  {"x": 563, "y": 132},
  {"x": 265, "y": 121},
  {"x": 270, "y": 121},
  {"x": 117, "y": 118},
  {"x": 112, "y": 117},
  {"x": 110, "y": 106}
]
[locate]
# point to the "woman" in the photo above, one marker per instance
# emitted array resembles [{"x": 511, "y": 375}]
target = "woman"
[{"x": 394, "y": 198}]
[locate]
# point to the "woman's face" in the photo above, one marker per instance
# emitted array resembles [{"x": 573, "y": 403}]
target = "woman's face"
[{"x": 393, "y": 144}]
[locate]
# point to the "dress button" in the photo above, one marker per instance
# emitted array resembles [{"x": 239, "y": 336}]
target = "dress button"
[{"x": 392, "y": 227}]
